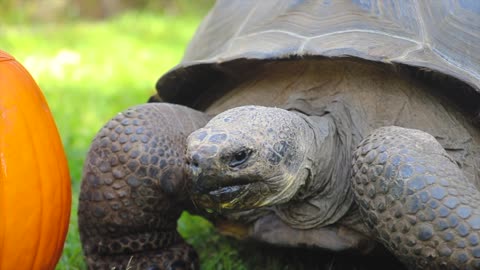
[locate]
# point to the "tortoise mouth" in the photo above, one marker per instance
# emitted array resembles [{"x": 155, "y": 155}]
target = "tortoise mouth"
[
  {"x": 222, "y": 197},
  {"x": 227, "y": 190},
  {"x": 223, "y": 194},
  {"x": 206, "y": 183}
]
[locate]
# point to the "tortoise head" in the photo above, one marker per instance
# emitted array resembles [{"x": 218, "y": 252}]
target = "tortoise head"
[{"x": 247, "y": 157}]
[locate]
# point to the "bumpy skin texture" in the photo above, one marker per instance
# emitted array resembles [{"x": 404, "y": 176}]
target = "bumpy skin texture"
[
  {"x": 134, "y": 189},
  {"x": 416, "y": 200},
  {"x": 238, "y": 166}
]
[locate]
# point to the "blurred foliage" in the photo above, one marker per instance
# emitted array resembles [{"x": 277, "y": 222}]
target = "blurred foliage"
[{"x": 28, "y": 11}]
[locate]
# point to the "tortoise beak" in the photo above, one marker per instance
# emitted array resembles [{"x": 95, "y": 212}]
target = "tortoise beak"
[
  {"x": 208, "y": 180},
  {"x": 211, "y": 190},
  {"x": 198, "y": 167}
]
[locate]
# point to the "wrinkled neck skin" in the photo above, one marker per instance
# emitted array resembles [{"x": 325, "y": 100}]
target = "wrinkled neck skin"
[
  {"x": 325, "y": 195},
  {"x": 319, "y": 158}
]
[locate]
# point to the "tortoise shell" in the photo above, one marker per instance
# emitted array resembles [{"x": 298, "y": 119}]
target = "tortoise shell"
[{"x": 434, "y": 35}]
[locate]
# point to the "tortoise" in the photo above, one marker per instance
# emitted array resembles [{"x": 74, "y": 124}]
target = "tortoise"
[{"x": 340, "y": 125}]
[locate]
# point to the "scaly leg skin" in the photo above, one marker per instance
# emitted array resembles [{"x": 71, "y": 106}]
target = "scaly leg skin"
[
  {"x": 134, "y": 189},
  {"x": 416, "y": 200}
]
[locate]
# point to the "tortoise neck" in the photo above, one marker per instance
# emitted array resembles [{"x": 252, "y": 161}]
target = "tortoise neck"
[
  {"x": 319, "y": 158},
  {"x": 331, "y": 161},
  {"x": 324, "y": 173}
]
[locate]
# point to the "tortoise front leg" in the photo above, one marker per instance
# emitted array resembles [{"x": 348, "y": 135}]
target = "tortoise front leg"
[
  {"x": 134, "y": 189},
  {"x": 417, "y": 201}
]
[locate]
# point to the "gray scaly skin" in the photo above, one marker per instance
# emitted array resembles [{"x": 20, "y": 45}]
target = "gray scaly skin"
[
  {"x": 217, "y": 153},
  {"x": 411, "y": 196},
  {"x": 416, "y": 200},
  {"x": 134, "y": 189}
]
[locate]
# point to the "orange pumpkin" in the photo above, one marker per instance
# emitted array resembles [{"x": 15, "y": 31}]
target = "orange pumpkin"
[{"x": 35, "y": 189}]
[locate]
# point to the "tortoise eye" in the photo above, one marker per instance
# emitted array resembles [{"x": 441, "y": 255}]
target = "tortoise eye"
[{"x": 239, "y": 158}]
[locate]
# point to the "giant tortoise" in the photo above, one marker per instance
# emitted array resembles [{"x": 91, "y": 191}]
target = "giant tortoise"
[{"x": 339, "y": 125}]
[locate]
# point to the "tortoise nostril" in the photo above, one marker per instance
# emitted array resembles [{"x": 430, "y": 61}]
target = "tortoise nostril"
[
  {"x": 195, "y": 164},
  {"x": 194, "y": 167},
  {"x": 195, "y": 159}
]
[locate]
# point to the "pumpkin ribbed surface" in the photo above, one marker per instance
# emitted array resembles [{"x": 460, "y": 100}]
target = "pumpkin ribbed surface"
[{"x": 35, "y": 189}]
